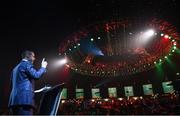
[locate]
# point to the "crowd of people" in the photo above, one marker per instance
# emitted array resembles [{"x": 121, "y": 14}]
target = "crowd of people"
[{"x": 157, "y": 104}]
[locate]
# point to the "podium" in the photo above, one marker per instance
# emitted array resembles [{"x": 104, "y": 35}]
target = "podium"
[{"x": 50, "y": 101}]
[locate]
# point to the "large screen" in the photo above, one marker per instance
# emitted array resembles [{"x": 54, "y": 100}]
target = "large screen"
[
  {"x": 167, "y": 87},
  {"x": 112, "y": 92},
  {"x": 95, "y": 93},
  {"x": 64, "y": 93},
  {"x": 147, "y": 88},
  {"x": 128, "y": 91},
  {"x": 79, "y": 93}
]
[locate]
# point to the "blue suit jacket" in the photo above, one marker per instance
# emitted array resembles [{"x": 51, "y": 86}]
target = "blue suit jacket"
[{"x": 22, "y": 84}]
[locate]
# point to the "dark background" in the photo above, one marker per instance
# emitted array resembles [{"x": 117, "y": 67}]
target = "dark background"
[{"x": 41, "y": 25}]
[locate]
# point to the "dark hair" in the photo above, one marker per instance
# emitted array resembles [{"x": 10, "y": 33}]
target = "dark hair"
[{"x": 26, "y": 54}]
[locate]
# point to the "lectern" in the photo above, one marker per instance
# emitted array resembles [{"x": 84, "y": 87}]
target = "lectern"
[{"x": 50, "y": 100}]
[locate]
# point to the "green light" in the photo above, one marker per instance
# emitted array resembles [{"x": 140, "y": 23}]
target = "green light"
[
  {"x": 171, "y": 64},
  {"x": 165, "y": 56},
  {"x": 160, "y": 60},
  {"x": 159, "y": 70},
  {"x": 174, "y": 47},
  {"x": 177, "y": 50},
  {"x": 74, "y": 46},
  {"x": 92, "y": 39},
  {"x": 172, "y": 50},
  {"x": 78, "y": 44},
  {"x": 69, "y": 49}
]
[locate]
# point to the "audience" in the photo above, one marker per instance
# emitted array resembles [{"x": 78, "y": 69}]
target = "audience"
[{"x": 158, "y": 104}]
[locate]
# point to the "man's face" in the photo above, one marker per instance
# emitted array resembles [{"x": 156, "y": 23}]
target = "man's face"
[{"x": 32, "y": 57}]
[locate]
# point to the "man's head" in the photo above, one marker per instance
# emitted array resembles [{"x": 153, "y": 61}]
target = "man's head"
[{"x": 29, "y": 55}]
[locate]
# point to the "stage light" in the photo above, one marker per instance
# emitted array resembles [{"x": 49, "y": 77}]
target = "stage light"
[
  {"x": 89, "y": 61},
  {"x": 166, "y": 36},
  {"x": 106, "y": 99},
  {"x": 92, "y": 39},
  {"x": 63, "y": 101},
  {"x": 177, "y": 74},
  {"x": 160, "y": 60},
  {"x": 120, "y": 99},
  {"x": 67, "y": 65},
  {"x": 92, "y": 100},
  {"x": 62, "y": 61},
  {"x": 144, "y": 37},
  {"x": 149, "y": 33},
  {"x": 100, "y": 53},
  {"x": 135, "y": 98},
  {"x": 59, "y": 62}
]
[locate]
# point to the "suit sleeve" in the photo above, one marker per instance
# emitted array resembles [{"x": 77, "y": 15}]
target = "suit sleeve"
[{"x": 35, "y": 73}]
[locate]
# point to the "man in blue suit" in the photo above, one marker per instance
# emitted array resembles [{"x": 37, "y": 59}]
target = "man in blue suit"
[{"x": 21, "y": 101}]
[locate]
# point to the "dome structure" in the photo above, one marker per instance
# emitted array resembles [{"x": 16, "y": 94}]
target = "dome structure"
[{"x": 119, "y": 47}]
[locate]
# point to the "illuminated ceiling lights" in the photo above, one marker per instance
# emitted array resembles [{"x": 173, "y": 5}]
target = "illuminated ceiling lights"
[
  {"x": 145, "y": 36},
  {"x": 135, "y": 59}
]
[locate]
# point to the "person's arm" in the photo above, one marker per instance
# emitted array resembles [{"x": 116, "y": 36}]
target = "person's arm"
[{"x": 33, "y": 72}]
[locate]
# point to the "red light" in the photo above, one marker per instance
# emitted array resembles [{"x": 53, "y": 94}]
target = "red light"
[
  {"x": 166, "y": 36},
  {"x": 89, "y": 61},
  {"x": 67, "y": 66}
]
